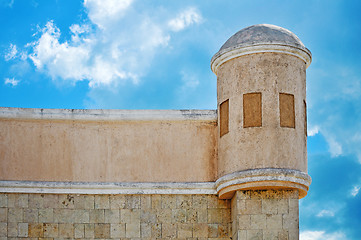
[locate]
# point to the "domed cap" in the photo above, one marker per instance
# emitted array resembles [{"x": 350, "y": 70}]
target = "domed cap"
[{"x": 261, "y": 38}]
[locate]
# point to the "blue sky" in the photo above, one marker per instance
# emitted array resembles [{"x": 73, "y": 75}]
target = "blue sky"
[{"x": 156, "y": 55}]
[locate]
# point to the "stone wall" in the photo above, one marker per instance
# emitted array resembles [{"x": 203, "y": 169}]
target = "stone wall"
[
  {"x": 265, "y": 215},
  {"x": 53, "y": 216}
]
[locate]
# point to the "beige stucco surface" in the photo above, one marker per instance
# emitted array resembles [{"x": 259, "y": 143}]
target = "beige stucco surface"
[
  {"x": 269, "y": 146},
  {"x": 108, "y": 151}
]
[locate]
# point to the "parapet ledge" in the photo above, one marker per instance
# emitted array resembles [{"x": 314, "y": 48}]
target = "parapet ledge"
[{"x": 107, "y": 114}]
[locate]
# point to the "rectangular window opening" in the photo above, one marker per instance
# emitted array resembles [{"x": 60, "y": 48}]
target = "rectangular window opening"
[
  {"x": 252, "y": 110},
  {"x": 287, "y": 110},
  {"x": 224, "y": 117}
]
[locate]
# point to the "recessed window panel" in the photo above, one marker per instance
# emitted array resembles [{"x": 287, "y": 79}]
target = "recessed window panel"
[
  {"x": 224, "y": 117},
  {"x": 287, "y": 110},
  {"x": 252, "y": 110}
]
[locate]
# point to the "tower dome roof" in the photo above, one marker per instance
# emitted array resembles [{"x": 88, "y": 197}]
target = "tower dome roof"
[
  {"x": 261, "y": 38},
  {"x": 263, "y": 34}
]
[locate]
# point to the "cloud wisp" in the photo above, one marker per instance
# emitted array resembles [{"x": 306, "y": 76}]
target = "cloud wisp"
[{"x": 11, "y": 81}]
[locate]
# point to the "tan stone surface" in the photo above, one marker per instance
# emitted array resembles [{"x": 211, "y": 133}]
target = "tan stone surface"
[
  {"x": 276, "y": 219},
  {"x": 99, "y": 151},
  {"x": 171, "y": 216},
  {"x": 267, "y": 146}
]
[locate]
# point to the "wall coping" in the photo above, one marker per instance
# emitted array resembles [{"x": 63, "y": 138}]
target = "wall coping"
[{"x": 107, "y": 114}]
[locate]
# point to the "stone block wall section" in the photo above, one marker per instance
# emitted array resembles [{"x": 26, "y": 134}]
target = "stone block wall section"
[
  {"x": 52, "y": 216},
  {"x": 265, "y": 215}
]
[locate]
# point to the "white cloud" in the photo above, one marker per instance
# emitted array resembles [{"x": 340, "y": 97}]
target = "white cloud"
[
  {"x": 11, "y": 52},
  {"x": 11, "y": 81},
  {"x": 355, "y": 191},
  {"x": 117, "y": 45},
  {"x": 321, "y": 235},
  {"x": 184, "y": 19},
  {"x": 335, "y": 148},
  {"x": 325, "y": 213},
  {"x": 103, "y": 12},
  {"x": 313, "y": 131}
]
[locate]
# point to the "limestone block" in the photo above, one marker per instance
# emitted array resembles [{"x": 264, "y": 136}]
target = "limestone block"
[
  {"x": 132, "y": 201},
  {"x": 12, "y": 229},
  {"x": 101, "y": 202},
  {"x": 3, "y": 200},
  {"x": 156, "y": 230},
  {"x": 214, "y": 215},
  {"x": 51, "y": 201},
  {"x": 132, "y": 230},
  {"x": 212, "y": 230},
  {"x": 271, "y": 234},
  {"x": 35, "y": 230},
  {"x": 258, "y": 221},
  {"x": 240, "y": 235},
  {"x": 117, "y": 230},
  {"x": 102, "y": 230},
  {"x": 274, "y": 221},
  {"x": 169, "y": 230},
  {"x": 184, "y": 201},
  {"x": 84, "y": 202},
  {"x": 185, "y": 230},
  {"x": 130, "y": 216},
  {"x": 63, "y": 215},
  {"x": 15, "y": 214},
  {"x": 3, "y": 214},
  {"x": 244, "y": 222},
  {"x": 36, "y": 201},
  {"x": 31, "y": 215},
  {"x": 156, "y": 202},
  {"x": 23, "y": 229},
  {"x": 117, "y": 201},
  {"x": 3, "y": 229},
  {"x": 254, "y": 234},
  {"x": 145, "y": 230},
  {"x": 18, "y": 200},
  {"x": 199, "y": 201},
  {"x": 290, "y": 221},
  {"x": 89, "y": 230},
  {"x": 253, "y": 206},
  {"x": 66, "y": 201},
  {"x": 283, "y": 206},
  {"x": 196, "y": 215},
  {"x": 79, "y": 230},
  {"x": 164, "y": 215},
  {"x": 46, "y": 215},
  {"x": 293, "y": 234},
  {"x": 66, "y": 230},
  {"x": 169, "y": 201},
  {"x": 51, "y": 230},
  {"x": 148, "y": 216},
  {"x": 283, "y": 235},
  {"x": 96, "y": 216},
  {"x": 145, "y": 202},
  {"x": 212, "y": 201},
  {"x": 81, "y": 216},
  {"x": 270, "y": 206},
  {"x": 111, "y": 216},
  {"x": 224, "y": 230},
  {"x": 179, "y": 215}
]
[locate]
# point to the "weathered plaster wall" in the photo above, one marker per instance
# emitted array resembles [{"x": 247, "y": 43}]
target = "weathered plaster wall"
[
  {"x": 268, "y": 146},
  {"x": 108, "y": 151},
  {"x": 50, "y": 216}
]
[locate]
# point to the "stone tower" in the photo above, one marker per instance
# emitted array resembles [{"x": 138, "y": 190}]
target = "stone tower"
[{"x": 262, "y": 122}]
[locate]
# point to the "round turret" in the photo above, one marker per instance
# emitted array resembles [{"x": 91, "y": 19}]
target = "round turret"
[{"x": 261, "y": 82}]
